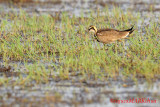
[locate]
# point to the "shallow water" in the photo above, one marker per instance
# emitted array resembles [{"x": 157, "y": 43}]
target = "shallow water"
[
  {"x": 77, "y": 6},
  {"x": 66, "y": 93},
  {"x": 73, "y": 92}
]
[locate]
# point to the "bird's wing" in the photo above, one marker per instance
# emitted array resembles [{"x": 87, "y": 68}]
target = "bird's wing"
[{"x": 107, "y": 32}]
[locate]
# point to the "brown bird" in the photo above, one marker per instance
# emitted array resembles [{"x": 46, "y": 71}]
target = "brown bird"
[{"x": 109, "y": 35}]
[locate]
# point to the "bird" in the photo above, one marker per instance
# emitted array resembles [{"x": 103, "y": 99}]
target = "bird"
[{"x": 109, "y": 35}]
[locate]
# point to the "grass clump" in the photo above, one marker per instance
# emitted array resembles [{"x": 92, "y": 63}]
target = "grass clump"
[{"x": 51, "y": 48}]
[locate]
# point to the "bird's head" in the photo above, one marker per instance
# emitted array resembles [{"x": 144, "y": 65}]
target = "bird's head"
[{"x": 92, "y": 29}]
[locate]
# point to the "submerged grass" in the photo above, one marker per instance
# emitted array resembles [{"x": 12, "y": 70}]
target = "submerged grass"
[{"x": 51, "y": 48}]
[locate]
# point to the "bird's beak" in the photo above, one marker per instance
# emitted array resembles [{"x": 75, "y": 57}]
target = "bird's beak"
[{"x": 89, "y": 29}]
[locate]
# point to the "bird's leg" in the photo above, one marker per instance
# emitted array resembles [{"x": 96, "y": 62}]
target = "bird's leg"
[
  {"x": 103, "y": 46},
  {"x": 123, "y": 44},
  {"x": 106, "y": 48},
  {"x": 119, "y": 40},
  {"x": 116, "y": 47}
]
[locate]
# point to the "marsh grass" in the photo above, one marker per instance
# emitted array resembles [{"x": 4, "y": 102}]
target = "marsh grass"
[{"x": 51, "y": 48}]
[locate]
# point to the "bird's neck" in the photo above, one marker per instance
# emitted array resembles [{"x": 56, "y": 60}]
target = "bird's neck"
[{"x": 95, "y": 29}]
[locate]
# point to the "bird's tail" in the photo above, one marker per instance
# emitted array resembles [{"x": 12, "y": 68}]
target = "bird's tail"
[{"x": 130, "y": 30}]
